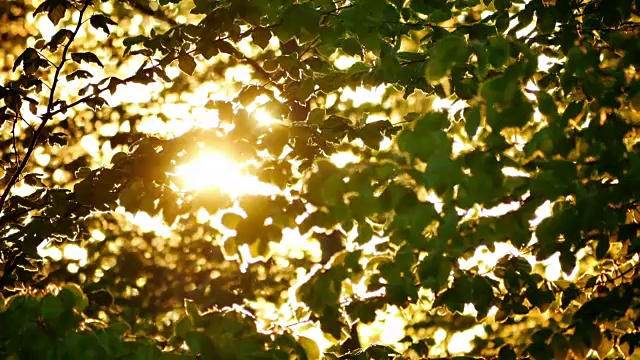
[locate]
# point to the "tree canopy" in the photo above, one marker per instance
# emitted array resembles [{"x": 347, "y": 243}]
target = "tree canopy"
[{"x": 319, "y": 179}]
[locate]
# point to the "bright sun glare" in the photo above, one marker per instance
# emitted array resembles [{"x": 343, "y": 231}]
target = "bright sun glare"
[
  {"x": 214, "y": 170},
  {"x": 211, "y": 169}
]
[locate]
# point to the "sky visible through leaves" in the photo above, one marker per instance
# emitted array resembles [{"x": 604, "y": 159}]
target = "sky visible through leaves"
[
  {"x": 215, "y": 169},
  {"x": 475, "y": 160}
]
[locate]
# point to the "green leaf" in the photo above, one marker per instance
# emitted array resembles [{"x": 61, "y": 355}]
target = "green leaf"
[
  {"x": 547, "y": 105},
  {"x": 82, "y": 172},
  {"x": 451, "y": 48},
  {"x": 192, "y": 309},
  {"x": 373, "y": 133},
  {"x": 352, "y": 47},
  {"x": 170, "y": 211},
  {"x": 483, "y": 295},
  {"x": 567, "y": 262},
  {"x": 183, "y": 326},
  {"x": 436, "y": 69},
  {"x": 57, "y": 11},
  {"x": 200, "y": 344},
  {"x": 148, "y": 352},
  {"x": 578, "y": 347},
  {"x": 75, "y": 293},
  {"x": 560, "y": 346},
  {"x": 261, "y": 37},
  {"x": 498, "y": 51},
  {"x": 507, "y": 353},
  {"x": 330, "y": 322},
  {"x": 299, "y": 16},
  {"x": 499, "y": 89},
  {"x": 117, "y": 157},
  {"x": 101, "y": 297},
  {"x": 119, "y": 327},
  {"x": 260, "y": 248},
  {"x": 316, "y": 116},
  {"x": 100, "y": 21},
  {"x": 59, "y": 38},
  {"x": 88, "y": 57},
  {"x": 573, "y": 110},
  {"x": 79, "y": 74},
  {"x": 248, "y": 94},
  {"x": 225, "y": 47},
  {"x": 50, "y": 308},
  {"x": 434, "y": 272},
  {"x": 33, "y": 179},
  {"x": 186, "y": 63},
  {"x": 502, "y": 22},
  {"x": 602, "y": 248},
  {"x": 546, "y": 21},
  {"x": 446, "y": 52},
  {"x": 310, "y": 348},
  {"x": 134, "y": 40},
  {"x": 365, "y": 233},
  {"x": 333, "y": 189},
  {"x": 95, "y": 102},
  {"x": 502, "y": 5},
  {"x": 472, "y": 120}
]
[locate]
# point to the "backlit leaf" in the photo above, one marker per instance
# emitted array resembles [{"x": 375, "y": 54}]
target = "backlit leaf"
[{"x": 187, "y": 63}]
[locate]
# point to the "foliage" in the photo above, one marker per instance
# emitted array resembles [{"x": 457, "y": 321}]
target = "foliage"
[{"x": 438, "y": 218}]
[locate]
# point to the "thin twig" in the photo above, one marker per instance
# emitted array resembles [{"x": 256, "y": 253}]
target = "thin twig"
[
  {"x": 339, "y": 8},
  {"x": 156, "y": 65},
  {"x": 309, "y": 47},
  {"x": 26, "y": 122},
  {"x": 410, "y": 62},
  {"x": 623, "y": 273},
  {"x": 47, "y": 59},
  {"x": 254, "y": 64},
  {"x": 13, "y": 135}
]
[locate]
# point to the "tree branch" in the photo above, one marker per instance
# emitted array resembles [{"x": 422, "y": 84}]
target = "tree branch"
[{"x": 47, "y": 116}]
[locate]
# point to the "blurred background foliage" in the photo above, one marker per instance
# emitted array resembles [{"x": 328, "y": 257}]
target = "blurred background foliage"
[{"x": 366, "y": 179}]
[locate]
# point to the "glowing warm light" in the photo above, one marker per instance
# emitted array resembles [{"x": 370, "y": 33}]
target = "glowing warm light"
[
  {"x": 51, "y": 252},
  {"x": 387, "y": 329},
  {"x": 342, "y": 159},
  {"x": 131, "y": 93},
  {"x": 542, "y": 212},
  {"x": 213, "y": 170},
  {"x": 147, "y": 223},
  {"x": 344, "y": 62},
  {"x": 441, "y": 104},
  {"x": 98, "y": 235},
  {"x": 74, "y": 252},
  {"x": 209, "y": 170},
  {"x": 90, "y": 143},
  {"x": 461, "y": 342},
  {"x": 263, "y": 117},
  {"x": 553, "y": 269},
  {"x": 386, "y": 144},
  {"x": 511, "y": 171},
  {"x": 240, "y": 73},
  {"x": 41, "y": 157},
  {"x": 362, "y": 95}
]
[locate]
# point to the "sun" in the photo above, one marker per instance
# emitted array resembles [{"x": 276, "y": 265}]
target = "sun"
[{"x": 211, "y": 169}]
